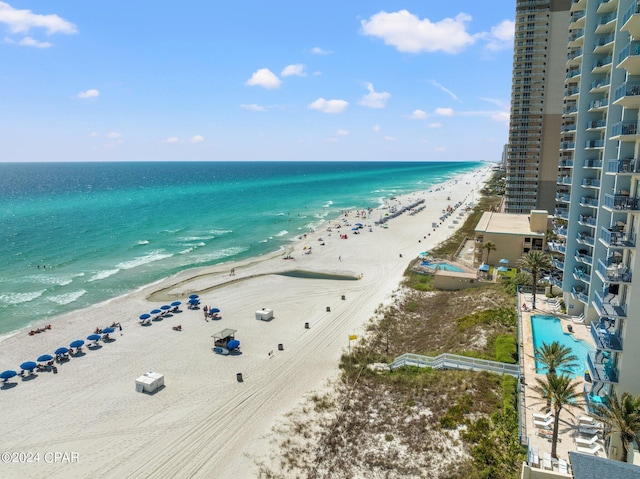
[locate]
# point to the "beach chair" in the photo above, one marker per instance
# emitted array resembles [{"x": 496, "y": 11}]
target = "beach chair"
[
  {"x": 542, "y": 417},
  {"x": 563, "y": 466},
  {"x": 589, "y": 450},
  {"x": 546, "y": 461},
  {"x": 543, "y": 424},
  {"x": 534, "y": 459},
  {"x": 578, "y": 319},
  {"x": 583, "y": 441},
  {"x": 589, "y": 430}
]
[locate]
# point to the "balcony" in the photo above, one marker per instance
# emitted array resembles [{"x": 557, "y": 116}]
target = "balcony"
[
  {"x": 565, "y": 164},
  {"x": 590, "y": 163},
  {"x": 562, "y": 213},
  {"x": 601, "y": 85},
  {"x": 578, "y": 5},
  {"x": 628, "y": 95},
  {"x": 580, "y": 273},
  {"x": 602, "y": 65},
  {"x": 582, "y": 257},
  {"x": 616, "y": 239},
  {"x": 629, "y": 58},
  {"x": 567, "y": 145},
  {"x": 596, "y": 124},
  {"x": 556, "y": 281},
  {"x": 606, "y": 6},
  {"x": 618, "y": 203},
  {"x": 601, "y": 372},
  {"x": 628, "y": 166},
  {"x": 576, "y": 37},
  {"x": 625, "y": 131},
  {"x": 586, "y": 220},
  {"x": 557, "y": 247},
  {"x": 593, "y": 144},
  {"x": 564, "y": 180},
  {"x": 605, "y": 340},
  {"x": 560, "y": 230},
  {"x": 577, "y": 19},
  {"x": 609, "y": 306},
  {"x": 599, "y": 105},
  {"x": 570, "y": 110},
  {"x": 591, "y": 183},
  {"x": 631, "y": 20},
  {"x": 557, "y": 263},
  {"x": 589, "y": 201},
  {"x": 611, "y": 272},
  {"x": 585, "y": 238},
  {"x": 563, "y": 197},
  {"x": 606, "y": 24}
]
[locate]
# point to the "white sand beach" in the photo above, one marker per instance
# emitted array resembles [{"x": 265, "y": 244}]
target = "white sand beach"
[{"x": 204, "y": 422}]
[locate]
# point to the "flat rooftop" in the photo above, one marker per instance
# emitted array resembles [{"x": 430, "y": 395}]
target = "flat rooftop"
[{"x": 506, "y": 223}]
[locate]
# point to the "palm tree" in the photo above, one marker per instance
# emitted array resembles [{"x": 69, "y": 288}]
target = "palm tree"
[
  {"x": 560, "y": 391},
  {"x": 556, "y": 357},
  {"x": 622, "y": 418},
  {"x": 534, "y": 262},
  {"x": 489, "y": 246}
]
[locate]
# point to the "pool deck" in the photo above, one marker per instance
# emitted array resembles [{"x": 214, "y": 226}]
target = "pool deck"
[{"x": 532, "y": 403}]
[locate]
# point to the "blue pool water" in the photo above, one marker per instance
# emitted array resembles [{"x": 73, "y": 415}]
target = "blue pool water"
[
  {"x": 547, "y": 329},
  {"x": 442, "y": 266}
]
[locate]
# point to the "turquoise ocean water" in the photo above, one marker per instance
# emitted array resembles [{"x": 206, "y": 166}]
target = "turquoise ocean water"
[{"x": 75, "y": 234}]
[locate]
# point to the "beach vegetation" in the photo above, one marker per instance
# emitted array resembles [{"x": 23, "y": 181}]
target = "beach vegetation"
[
  {"x": 621, "y": 416},
  {"x": 506, "y": 349}
]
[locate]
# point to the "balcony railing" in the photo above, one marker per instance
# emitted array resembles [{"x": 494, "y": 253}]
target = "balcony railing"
[
  {"x": 567, "y": 145},
  {"x": 614, "y": 273},
  {"x": 587, "y": 220},
  {"x": 562, "y": 213},
  {"x": 621, "y": 202},
  {"x": 630, "y": 165},
  {"x": 601, "y": 372},
  {"x": 556, "y": 281},
  {"x": 581, "y": 274},
  {"x": 609, "y": 307},
  {"x": 588, "y": 201},
  {"x": 575, "y": 35},
  {"x": 602, "y": 62},
  {"x": 584, "y": 238},
  {"x": 569, "y": 110},
  {"x": 601, "y": 82},
  {"x": 633, "y": 9},
  {"x": 617, "y": 239},
  {"x": 627, "y": 89},
  {"x": 600, "y": 103},
  {"x": 624, "y": 128},
  {"x": 604, "y": 340},
  {"x": 596, "y": 124},
  {"x": 564, "y": 197},
  {"x": 594, "y": 143},
  {"x": 591, "y": 183},
  {"x": 566, "y": 164},
  {"x": 557, "y": 263},
  {"x": 583, "y": 257},
  {"x": 604, "y": 40},
  {"x": 557, "y": 247},
  {"x": 632, "y": 49},
  {"x": 592, "y": 163},
  {"x": 560, "y": 230}
]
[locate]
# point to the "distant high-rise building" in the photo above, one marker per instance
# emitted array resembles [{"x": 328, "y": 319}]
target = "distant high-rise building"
[{"x": 539, "y": 59}]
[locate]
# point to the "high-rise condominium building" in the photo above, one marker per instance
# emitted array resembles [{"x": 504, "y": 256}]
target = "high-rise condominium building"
[{"x": 539, "y": 59}]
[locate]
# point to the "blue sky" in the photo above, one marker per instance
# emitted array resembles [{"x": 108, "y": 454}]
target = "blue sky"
[{"x": 254, "y": 80}]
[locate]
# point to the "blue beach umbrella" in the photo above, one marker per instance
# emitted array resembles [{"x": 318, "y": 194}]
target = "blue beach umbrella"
[
  {"x": 194, "y": 301},
  {"x": 503, "y": 269},
  {"x": 108, "y": 330},
  {"x": 77, "y": 343},
  {"x": 44, "y": 358},
  {"x": 28, "y": 366},
  {"x": 214, "y": 310},
  {"x": 93, "y": 337},
  {"x": 165, "y": 307},
  {"x": 194, "y": 296},
  {"x": 8, "y": 374},
  {"x": 233, "y": 344},
  {"x": 145, "y": 316},
  {"x": 62, "y": 350},
  {"x": 484, "y": 267},
  {"x": 156, "y": 311},
  {"x": 504, "y": 261},
  {"x": 176, "y": 303}
]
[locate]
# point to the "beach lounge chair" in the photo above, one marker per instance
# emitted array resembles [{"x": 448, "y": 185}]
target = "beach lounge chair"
[
  {"x": 543, "y": 424},
  {"x": 546, "y": 461},
  {"x": 563, "y": 466},
  {"x": 543, "y": 417},
  {"x": 534, "y": 459},
  {"x": 589, "y": 429},
  {"x": 586, "y": 420},
  {"x": 578, "y": 319},
  {"x": 583, "y": 441},
  {"x": 589, "y": 450}
]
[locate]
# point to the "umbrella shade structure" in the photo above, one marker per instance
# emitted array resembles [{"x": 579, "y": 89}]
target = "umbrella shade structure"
[
  {"x": 194, "y": 296},
  {"x": 156, "y": 311},
  {"x": 107, "y": 330},
  {"x": 484, "y": 268},
  {"x": 62, "y": 350},
  {"x": 94, "y": 337},
  {"x": 165, "y": 307},
  {"x": 8, "y": 374},
  {"x": 176, "y": 303},
  {"x": 194, "y": 301},
  {"x": 503, "y": 269},
  {"x": 44, "y": 358},
  {"x": 28, "y": 365},
  {"x": 145, "y": 316},
  {"x": 77, "y": 343},
  {"x": 504, "y": 261},
  {"x": 214, "y": 310}
]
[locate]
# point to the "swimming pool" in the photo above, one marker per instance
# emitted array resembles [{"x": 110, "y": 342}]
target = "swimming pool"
[
  {"x": 443, "y": 266},
  {"x": 547, "y": 329}
]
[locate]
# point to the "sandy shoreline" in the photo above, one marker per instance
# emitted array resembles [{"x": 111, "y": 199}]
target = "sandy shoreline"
[{"x": 205, "y": 423}]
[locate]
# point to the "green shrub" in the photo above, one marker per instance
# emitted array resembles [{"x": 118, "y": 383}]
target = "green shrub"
[{"x": 506, "y": 350}]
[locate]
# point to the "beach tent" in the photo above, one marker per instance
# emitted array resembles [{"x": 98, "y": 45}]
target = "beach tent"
[{"x": 484, "y": 268}]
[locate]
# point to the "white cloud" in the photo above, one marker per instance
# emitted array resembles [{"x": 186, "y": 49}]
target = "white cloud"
[
  {"x": 264, "y": 78},
  {"x": 390, "y": 138},
  {"x": 435, "y": 124},
  {"x": 444, "y": 111},
  {"x": 29, "y": 42},
  {"x": 377, "y": 128},
  {"x": 171, "y": 139},
  {"x": 342, "y": 133},
  {"x": 319, "y": 51},
  {"x": 294, "y": 70},
  {"x": 197, "y": 139},
  {"x": 408, "y": 33},
  {"x": 92, "y": 93},
  {"x": 21, "y": 21},
  {"x": 329, "y": 106},
  {"x": 501, "y": 116},
  {"x": 446, "y": 90},
  {"x": 253, "y": 107},
  {"x": 418, "y": 115},
  {"x": 375, "y": 99},
  {"x": 501, "y": 36}
]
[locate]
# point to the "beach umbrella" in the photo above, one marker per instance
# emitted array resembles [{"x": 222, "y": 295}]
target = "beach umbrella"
[
  {"x": 504, "y": 261},
  {"x": 214, "y": 310},
  {"x": 484, "y": 267},
  {"x": 156, "y": 311},
  {"x": 165, "y": 307},
  {"x": 28, "y": 366},
  {"x": 194, "y": 301},
  {"x": 194, "y": 296},
  {"x": 176, "y": 303},
  {"x": 77, "y": 343},
  {"x": 108, "y": 330},
  {"x": 8, "y": 374},
  {"x": 62, "y": 350},
  {"x": 44, "y": 358},
  {"x": 93, "y": 337},
  {"x": 503, "y": 269},
  {"x": 145, "y": 316}
]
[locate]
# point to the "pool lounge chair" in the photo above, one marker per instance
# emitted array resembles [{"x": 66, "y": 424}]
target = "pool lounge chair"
[
  {"x": 543, "y": 417},
  {"x": 563, "y": 466},
  {"x": 546, "y": 461},
  {"x": 578, "y": 319},
  {"x": 589, "y": 450},
  {"x": 586, "y": 420},
  {"x": 533, "y": 456},
  {"x": 543, "y": 424},
  {"x": 589, "y": 429},
  {"x": 583, "y": 441}
]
